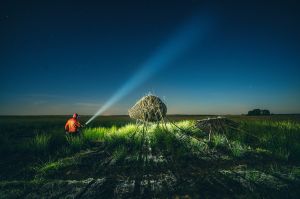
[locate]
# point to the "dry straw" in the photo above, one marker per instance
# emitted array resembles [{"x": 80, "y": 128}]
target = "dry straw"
[{"x": 148, "y": 109}]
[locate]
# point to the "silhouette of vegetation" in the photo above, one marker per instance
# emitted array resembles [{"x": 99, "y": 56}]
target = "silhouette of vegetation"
[{"x": 258, "y": 112}]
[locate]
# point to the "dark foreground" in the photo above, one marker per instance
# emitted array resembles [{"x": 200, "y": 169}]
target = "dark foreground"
[{"x": 261, "y": 160}]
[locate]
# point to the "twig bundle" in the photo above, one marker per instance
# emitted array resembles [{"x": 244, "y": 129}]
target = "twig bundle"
[
  {"x": 218, "y": 124},
  {"x": 148, "y": 109}
]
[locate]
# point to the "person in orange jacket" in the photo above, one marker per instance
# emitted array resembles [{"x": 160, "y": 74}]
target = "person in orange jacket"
[{"x": 72, "y": 126}]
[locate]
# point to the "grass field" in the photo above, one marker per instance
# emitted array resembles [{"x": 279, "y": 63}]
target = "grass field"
[{"x": 115, "y": 157}]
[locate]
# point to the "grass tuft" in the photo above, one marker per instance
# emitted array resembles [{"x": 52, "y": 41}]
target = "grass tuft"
[
  {"x": 76, "y": 143},
  {"x": 219, "y": 140},
  {"x": 40, "y": 144},
  {"x": 237, "y": 149}
]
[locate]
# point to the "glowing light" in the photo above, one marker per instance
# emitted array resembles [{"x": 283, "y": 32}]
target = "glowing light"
[{"x": 195, "y": 29}]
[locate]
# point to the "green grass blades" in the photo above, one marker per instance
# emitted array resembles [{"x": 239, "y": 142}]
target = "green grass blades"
[
  {"x": 40, "y": 144},
  {"x": 76, "y": 142},
  {"x": 172, "y": 159},
  {"x": 237, "y": 149},
  {"x": 281, "y": 138}
]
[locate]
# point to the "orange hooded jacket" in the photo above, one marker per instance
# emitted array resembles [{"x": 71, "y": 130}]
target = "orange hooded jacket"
[{"x": 72, "y": 125}]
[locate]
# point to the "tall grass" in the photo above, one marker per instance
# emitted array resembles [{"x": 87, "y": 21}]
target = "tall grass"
[
  {"x": 42, "y": 140},
  {"x": 95, "y": 134},
  {"x": 162, "y": 140},
  {"x": 40, "y": 144},
  {"x": 237, "y": 149},
  {"x": 118, "y": 154},
  {"x": 281, "y": 138},
  {"x": 219, "y": 140},
  {"x": 76, "y": 142}
]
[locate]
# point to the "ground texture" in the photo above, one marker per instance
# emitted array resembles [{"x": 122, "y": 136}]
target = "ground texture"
[{"x": 152, "y": 162}]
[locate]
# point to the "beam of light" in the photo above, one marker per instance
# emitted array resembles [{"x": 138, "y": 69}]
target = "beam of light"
[{"x": 191, "y": 32}]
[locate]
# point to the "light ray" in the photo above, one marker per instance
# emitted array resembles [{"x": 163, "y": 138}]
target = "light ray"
[{"x": 191, "y": 32}]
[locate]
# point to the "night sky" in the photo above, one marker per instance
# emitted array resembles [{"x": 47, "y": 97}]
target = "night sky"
[{"x": 62, "y": 57}]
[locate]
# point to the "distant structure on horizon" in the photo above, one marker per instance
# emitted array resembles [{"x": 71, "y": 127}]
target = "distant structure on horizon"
[{"x": 257, "y": 112}]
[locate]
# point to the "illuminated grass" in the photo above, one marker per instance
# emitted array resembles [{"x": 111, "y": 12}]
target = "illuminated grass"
[
  {"x": 278, "y": 138},
  {"x": 219, "y": 140},
  {"x": 281, "y": 138},
  {"x": 40, "y": 144},
  {"x": 187, "y": 125},
  {"x": 50, "y": 167},
  {"x": 252, "y": 155},
  {"x": 95, "y": 134}
]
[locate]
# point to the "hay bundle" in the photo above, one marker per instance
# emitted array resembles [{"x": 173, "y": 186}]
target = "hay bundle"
[
  {"x": 148, "y": 109},
  {"x": 216, "y": 125}
]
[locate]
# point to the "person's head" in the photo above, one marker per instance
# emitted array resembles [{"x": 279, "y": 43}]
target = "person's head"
[{"x": 75, "y": 116}]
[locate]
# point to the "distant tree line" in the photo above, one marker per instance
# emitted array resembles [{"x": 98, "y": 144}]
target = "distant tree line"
[{"x": 259, "y": 112}]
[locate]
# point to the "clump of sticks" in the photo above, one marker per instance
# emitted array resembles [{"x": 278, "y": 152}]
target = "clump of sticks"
[
  {"x": 150, "y": 108},
  {"x": 216, "y": 125}
]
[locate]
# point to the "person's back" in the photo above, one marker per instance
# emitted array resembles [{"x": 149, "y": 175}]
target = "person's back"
[{"x": 72, "y": 126}]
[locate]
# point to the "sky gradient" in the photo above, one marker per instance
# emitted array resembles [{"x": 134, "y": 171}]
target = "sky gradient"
[{"x": 62, "y": 57}]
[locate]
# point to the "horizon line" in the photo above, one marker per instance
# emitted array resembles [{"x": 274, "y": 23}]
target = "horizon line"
[{"x": 128, "y": 115}]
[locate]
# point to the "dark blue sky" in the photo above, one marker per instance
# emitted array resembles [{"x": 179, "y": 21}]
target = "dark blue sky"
[{"x": 65, "y": 56}]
